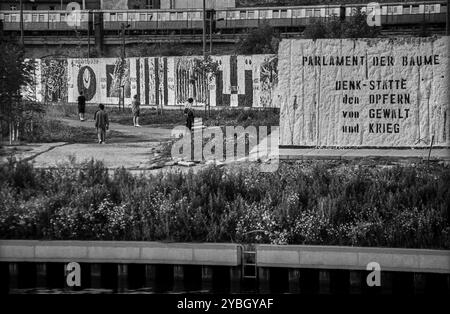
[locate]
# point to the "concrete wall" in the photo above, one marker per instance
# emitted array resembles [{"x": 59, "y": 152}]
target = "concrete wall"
[
  {"x": 328, "y": 104},
  {"x": 121, "y": 252},
  {"x": 242, "y": 81},
  {"x": 357, "y": 258}
]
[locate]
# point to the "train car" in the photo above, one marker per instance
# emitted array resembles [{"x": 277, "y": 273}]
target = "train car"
[
  {"x": 228, "y": 20},
  {"x": 409, "y": 13},
  {"x": 45, "y": 21},
  {"x": 153, "y": 20}
]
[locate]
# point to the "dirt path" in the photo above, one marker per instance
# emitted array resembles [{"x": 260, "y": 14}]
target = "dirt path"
[
  {"x": 129, "y": 133},
  {"x": 133, "y": 148}
]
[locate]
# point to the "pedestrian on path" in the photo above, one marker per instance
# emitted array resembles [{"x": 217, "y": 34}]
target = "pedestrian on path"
[
  {"x": 189, "y": 113},
  {"x": 135, "y": 109},
  {"x": 81, "y": 106},
  {"x": 101, "y": 123}
]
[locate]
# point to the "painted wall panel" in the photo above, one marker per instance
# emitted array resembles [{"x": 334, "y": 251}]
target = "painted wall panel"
[
  {"x": 242, "y": 81},
  {"x": 368, "y": 92}
]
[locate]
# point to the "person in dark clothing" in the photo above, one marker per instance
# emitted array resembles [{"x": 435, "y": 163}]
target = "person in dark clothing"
[
  {"x": 81, "y": 106},
  {"x": 101, "y": 123},
  {"x": 189, "y": 113}
]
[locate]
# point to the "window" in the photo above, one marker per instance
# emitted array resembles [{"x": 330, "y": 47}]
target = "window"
[
  {"x": 296, "y": 13},
  {"x": 406, "y": 9},
  {"x": 180, "y": 15},
  {"x": 53, "y": 17},
  {"x": 242, "y": 15},
  {"x": 13, "y": 18},
  {"x": 415, "y": 9},
  {"x": 316, "y": 12},
  {"x": 41, "y": 17},
  {"x": 262, "y": 14},
  {"x": 283, "y": 14},
  {"x": 309, "y": 12},
  {"x": 392, "y": 9},
  {"x": 429, "y": 8},
  {"x": 7, "y": 18},
  {"x": 120, "y": 16},
  {"x": 251, "y": 14},
  {"x": 142, "y": 17},
  {"x": 149, "y": 17},
  {"x": 276, "y": 14},
  {"x": 62, "y": 17},
  {"x": 34, "y": 17}
]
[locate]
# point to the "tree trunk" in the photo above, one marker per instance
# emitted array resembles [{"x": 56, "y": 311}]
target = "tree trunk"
[
  {"x": 10, "y": 133},
  {"x": 17, "y": 131}
]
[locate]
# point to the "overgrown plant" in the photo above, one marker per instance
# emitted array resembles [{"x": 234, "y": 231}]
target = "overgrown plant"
[{"x": 324, "y": 203}]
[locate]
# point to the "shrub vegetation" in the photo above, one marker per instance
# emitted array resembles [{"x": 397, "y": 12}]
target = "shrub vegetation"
[{"x": 307, "y": 203}]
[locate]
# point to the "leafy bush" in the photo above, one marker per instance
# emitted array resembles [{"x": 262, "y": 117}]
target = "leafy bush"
[{"x": 325, "y": 203}]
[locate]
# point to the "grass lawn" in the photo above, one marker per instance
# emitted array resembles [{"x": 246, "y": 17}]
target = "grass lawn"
[{"x": 173, "y": 117}]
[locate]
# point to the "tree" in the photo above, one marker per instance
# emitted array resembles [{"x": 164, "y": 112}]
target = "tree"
[
  {"x": 16, "y": 75},
  {"x": 262, "y": 40},
  {"x": 208, "y": 69},
  {"x": 354, "y": 26}
]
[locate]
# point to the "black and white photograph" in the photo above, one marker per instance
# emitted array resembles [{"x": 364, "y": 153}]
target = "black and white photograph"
[{"x": 224, "y": 155}]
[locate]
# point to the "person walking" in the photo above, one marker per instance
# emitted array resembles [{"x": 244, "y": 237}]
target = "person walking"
[
  {"x": 189, "y": 113},
  {"x": 81, "y": 106},
  {"x": 101, "y": 123},
  {"x": 135, "y": 109}
]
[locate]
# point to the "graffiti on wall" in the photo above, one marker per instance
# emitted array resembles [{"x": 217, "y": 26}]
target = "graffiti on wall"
[
  {"x": 269, "y": 80},
  {"x": 87, "y": 82},
  {"x": 241, "y": 81},
  {"x": 53, "y": 80},
  {"x": 118, "y": 75},
  {"x": 189, "y": 82}
]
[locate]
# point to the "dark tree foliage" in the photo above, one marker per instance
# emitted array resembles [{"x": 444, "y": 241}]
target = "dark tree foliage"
[
  {"x": 262, "y": 40},
  {"x": 15, "y": 76},
  {"x": 354, "y": 27}
]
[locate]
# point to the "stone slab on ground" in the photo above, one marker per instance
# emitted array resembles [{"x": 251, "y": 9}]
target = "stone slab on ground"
[{"x": 349, "y": 154}]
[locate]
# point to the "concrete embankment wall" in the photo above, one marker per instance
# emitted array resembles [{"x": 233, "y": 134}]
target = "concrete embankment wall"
[{"x": 217, "y": 267}]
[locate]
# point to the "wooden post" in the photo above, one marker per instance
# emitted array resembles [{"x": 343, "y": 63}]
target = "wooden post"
[
  {"x": 264, "y": 280},
  {"x": 41, "y": 275},
  {"x": 150, "y": 276},
  {"x": 294, "y": 280},
  {"x": 13, "y": 276},
  {"x": 419, "y": 283},
  {"x": 355, "y": 282},
  {"x": 96, "y": 276},
  {"x": 235, "y": 279},
  {"x": 324, "y": 281},
  {"x": 207, "y": 272},
  {"x": 122, "y": 277},
  {"x": 178, "y": 278}
]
